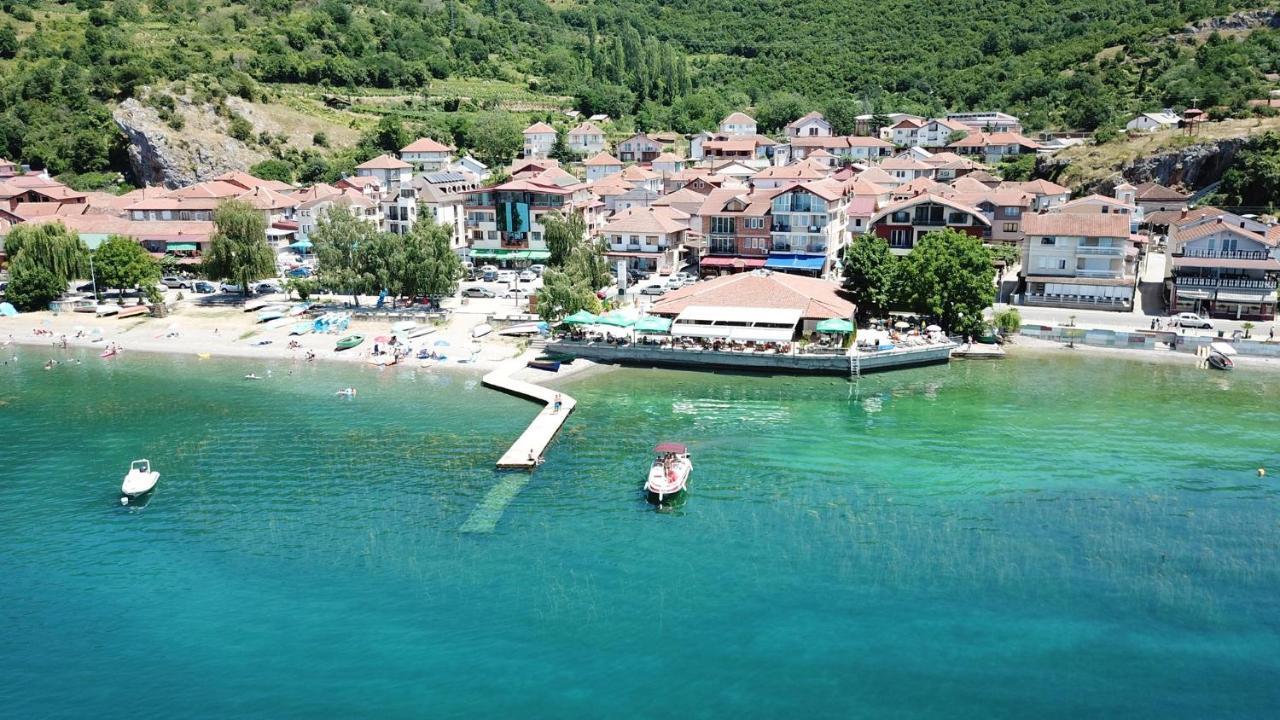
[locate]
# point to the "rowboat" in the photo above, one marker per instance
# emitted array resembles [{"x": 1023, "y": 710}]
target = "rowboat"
[
  {"x": 133, "y": 311},
  {"x": 481, "y": 330},
  {"x": 349, "y": 342},
  {"x": 544, "y": 364},
  {"x": 298, "y": 309},
  {"x": 253, "y": 305},
  {"x": 669, "y": 474},
  {"x": 301, "y": 328},
  {"x": 85, "y": 306},
  {"x": 271, "y": 313},
  {"x": 532, "y": 328},
  {"x": 108, "y": 309}
]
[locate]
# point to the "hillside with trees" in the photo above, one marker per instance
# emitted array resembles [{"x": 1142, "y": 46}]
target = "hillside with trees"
[{"x": 450, "y": 68}]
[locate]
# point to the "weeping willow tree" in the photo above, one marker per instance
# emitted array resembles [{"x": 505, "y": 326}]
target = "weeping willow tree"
[
  {"x": 51, "y": 247},
  {"x": 239, "y": 251}
]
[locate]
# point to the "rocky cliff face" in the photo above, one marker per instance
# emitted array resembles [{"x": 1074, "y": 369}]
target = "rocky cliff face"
[
  {"x": 1192, "y": 167},
  {"x": 202, "y": 149}
]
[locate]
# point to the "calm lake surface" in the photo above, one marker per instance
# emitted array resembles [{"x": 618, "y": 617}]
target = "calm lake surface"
[{"x": 1066, "y": 537}]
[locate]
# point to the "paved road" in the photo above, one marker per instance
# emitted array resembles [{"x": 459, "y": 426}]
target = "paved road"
[{"x": 1125, "y": 320}]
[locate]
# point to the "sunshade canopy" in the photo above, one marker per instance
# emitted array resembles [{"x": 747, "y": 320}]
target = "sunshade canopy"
[
  {"x": 834, "y": 325},
  {"x": 651, "y": 324},
  {"x": 582, "y": 317}
]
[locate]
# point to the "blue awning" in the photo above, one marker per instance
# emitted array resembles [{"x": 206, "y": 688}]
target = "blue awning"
[{"x": 788, "y": 261}]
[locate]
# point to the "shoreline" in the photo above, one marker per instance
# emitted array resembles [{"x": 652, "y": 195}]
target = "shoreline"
[{"x": 1025, "y": 346}]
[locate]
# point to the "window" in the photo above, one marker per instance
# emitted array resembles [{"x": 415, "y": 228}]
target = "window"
[
  {"x": 755, "y": 223},
  {"x": 1011, "y": 227},
  {"x": 1048, "y": 241},
  {"x": 1229, "y": 244},
  {"x": 1010, "y": 211},
  {"x": 902, "y": 216},
  {"x": 900, "y": 238},
  {"x": 958, "y": 218},
  {"x": 722, "y": 225}
]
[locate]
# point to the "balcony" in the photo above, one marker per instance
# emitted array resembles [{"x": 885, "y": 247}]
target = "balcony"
[
  {"x": 1099, "y": 250},
  {"x": 781, "y": 228},
  {"x": 782, "y": 247},
  {"x": 1228, "y": 282},
  {"x": 1083, "y": 273},
  {"x": 1226, "y": 254}
]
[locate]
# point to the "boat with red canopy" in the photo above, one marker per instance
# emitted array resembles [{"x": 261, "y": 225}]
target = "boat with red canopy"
[{"x": 669, "y": 474}]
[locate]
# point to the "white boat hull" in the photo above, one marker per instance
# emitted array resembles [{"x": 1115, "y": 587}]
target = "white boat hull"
[
  {"x": 664, "y": 483},
  {"x": 136, "y": 483},
  {"x": 481, "y": 330}
]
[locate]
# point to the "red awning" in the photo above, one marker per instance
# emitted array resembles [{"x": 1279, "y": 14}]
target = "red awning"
[{"x": 732, "y": 262}]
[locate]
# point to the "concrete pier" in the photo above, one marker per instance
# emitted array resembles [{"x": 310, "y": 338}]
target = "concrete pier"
[{"x": 533, "y": 442}]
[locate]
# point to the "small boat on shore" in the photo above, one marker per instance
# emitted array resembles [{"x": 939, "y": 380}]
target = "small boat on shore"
[
  {"x": 271, "y": 313},
  {"x": 279, "y": 322},
  {"x": 140, "y": 479},
  {"x": 133, "y": 311},
  {"x": 533, "y": 328},
  {"x": 1220, "y": 356},
  {"x": 85, "y": 306},
  {"x": 302, "y": 328},
  {"x": 107, "y": 309},
  {"x": 481, "y": 330},
  {"x": 349, "y": 342},
  {"x": 254, "y": 305},
  {"x": 544, "y": 364},
  {"x": 420, "y": 331},
  {"x": 669, "y": 474},
  {"x": 298, "y": 309}
]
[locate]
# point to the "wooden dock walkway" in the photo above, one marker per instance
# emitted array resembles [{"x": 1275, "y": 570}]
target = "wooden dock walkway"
[{"x": 533, "y": 442}]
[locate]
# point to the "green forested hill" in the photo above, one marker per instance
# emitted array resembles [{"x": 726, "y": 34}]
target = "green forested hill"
[{"x": 665, "y": 63}]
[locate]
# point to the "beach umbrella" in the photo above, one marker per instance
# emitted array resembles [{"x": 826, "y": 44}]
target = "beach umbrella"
[
  {"x": 7, "y": 310},
  {"x": 902, "y": 324},
  {"x": 582, "y": 317},
  {"x": 933, "y": 328},
  {"x": 651, "y": 324},
  {"x": 301, "y": 245},
  {"x": 834, "y": 325}
]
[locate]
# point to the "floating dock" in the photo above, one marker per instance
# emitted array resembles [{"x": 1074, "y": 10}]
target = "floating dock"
[{"x": 527, "y": 450}]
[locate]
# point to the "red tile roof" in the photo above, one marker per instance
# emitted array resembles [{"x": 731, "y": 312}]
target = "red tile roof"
[
  {"x": 815, "y": 298},
  {"x": 426, "y": 145},
  {"x": 384, "y": 162},
  {"x": 1076, "y": 225}
]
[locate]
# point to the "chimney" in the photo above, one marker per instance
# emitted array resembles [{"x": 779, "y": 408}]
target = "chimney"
[{"x": 1184, "y": 212}]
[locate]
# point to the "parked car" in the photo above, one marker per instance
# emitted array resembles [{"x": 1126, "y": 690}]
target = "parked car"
[
  {"x": 528, "y": 276},
  {"x": 685, "y": 277},
  {"x": 488, "y": 268},
  {"x": 517, "y": 293},
  {"x": 267, "y": 286},
  {"x": 489, "y": 275},
  {"x": 300, "y": 272},
  {"x": 230, "y": 288},
  {"x": 173, "y": 282},
  {"x": 674, "y": 283},
  {"x": 1192, "y": 320},
  {"x": 203, "y": 286},
  {"x": 538, "y": 268},
  {"x": 652, "y": 290},
  {"x": 476, "y": 291},
  {"x": 85, "y": 288},
  {"x": 506, "y": 276}
]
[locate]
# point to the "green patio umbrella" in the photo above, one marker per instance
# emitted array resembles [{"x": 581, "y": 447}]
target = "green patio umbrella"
[
  {"x": 582, "y": 317},
  {"x": 834, "y": 325},
  {"x": 651, "y": 324},
  {"x": 616, "y": 319}
]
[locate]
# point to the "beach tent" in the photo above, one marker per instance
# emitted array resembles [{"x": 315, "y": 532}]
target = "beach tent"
[
  {"x": 582, "y": 317},
  {"x": 7, "y": 310},
  {"x": 834, "y": 325},
  {"x": 651, "y": 324},
  {"x": 301, "y": 245}
]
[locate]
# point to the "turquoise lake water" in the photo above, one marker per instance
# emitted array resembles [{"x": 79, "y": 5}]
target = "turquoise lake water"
[{"x": 1072, "y": 537}]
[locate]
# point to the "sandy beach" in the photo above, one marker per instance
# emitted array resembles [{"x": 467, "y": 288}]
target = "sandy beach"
[{"x": 226, "y": 331}]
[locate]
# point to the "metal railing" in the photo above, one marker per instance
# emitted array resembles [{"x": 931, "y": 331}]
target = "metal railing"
[
  {"x": 1244, "y": 283},
  {"x": 1099, "y": 250},
  {"x": 1225, "y": 254}
]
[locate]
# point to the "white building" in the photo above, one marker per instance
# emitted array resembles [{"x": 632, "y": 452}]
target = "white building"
[
  {"x": 650, "y": 239},
  {"x": 427, "y": 155},
  {"x": 810, "y": 125},
  {"x": 988, "y": 122},
  {"x": 539, "y": 139},
  {"x": 738, "y": 124},
  {"x": 1079, "y": 260},
  {"x": 586, "y": 139},
  {"x": 601, "y": 166},
  {"x": 386, "y": 170},
  {"x": 1153, "y": 121}
]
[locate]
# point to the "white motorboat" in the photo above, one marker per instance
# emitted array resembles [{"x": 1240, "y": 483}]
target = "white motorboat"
[
  {"x": 141, "y": 479},
  {"x": 107, "y": 309},
  {"x": 669, "y": 474},
  {"x": 481, "y": 330},
  {"x": 1220, "y": 356}
]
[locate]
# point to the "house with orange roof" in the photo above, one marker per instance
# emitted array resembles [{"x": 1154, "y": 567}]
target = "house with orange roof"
[
  {"x": 186, "y": 241},
  {"x": 586, "y": 139},
  {"x": 1079, "y": 260},
  {"x": 639, "y": 148},
  {"x": 685, "y": 200},
  {"x": 906, "y": 132},
  {"x": 648, "y": 239},
  {"x": 249, "y": 182},
  {"x": 366, "y": 185},
  {"x": 738, "y": 123},
  {"x": 667, "y": 163},
  {"x": 938, "y": 132},
  {"x": 1003, "y": 208},
  {"x": 504, "y": 222},
  {"x": 809, "y": 226},
  {"x": 791, "y": 305},
  {"x": 1048, "y": 194},
  {"x": 1121, "y": 204},
  {"x": 994, "y": 147},
  {"x": 318, "y": 204},
  {"x": 601, "y": 165},
  {"x": 809, "y": 125},
  {"x": 387, "y": 169},
  {"x": 8, "y": 168},
  {"x": 777, "y": 176},
  {"x": 1223, "y": 265},
  {"x": 736, "y": 226},
  {"x": 539, "y": 139},
  {"x": 427, "y": 155},
  {"x": 905, "y": 168},
  {"x": 904, "y": 223}
]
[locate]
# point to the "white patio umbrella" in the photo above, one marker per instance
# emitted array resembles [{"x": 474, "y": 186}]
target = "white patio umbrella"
[
  {"x": 933, "y": 328},
  {"x": 902, "y": 324}
]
